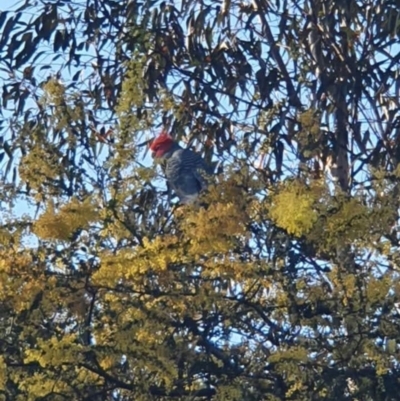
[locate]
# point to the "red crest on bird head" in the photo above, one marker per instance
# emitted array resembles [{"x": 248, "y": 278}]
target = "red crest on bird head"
[{"x": 161, "y": 144}]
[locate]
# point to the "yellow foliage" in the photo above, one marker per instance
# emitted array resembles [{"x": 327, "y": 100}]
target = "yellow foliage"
[
  {"x": 345, "y": 285},
  {"x": 351, "y": 218},
  {"x": 310, "y": 122},
  {"x": 381, "y": 361},
  {"x": 231, "y": 266},
  {"x": 212, "y": 230},
  {"x": 3, "y": 373},
  {"x": 86, "y": 376},
  {"x": 5, "y": 237},
  {"x": 61, "y": 225},
  {"x": 55, "y": 352},
  {"x": 40, "y": 164},
  {"x": 349, "y": 285},
  {"x": 108, "y": 361},
  {"x": 14, "y": 277},
  {"x": 298, "y": 354},
  {"x": 155, "y": 255},
  {"x": 323, "y": 393},
  {"x": 132, "y": 96},
  {"x": 27, "y": 292},
  {"x": 293, "y": 208},
  {"x": 114, "y": 228},
  {"x": 310, "y": 135},
  {"x": 159, "y": 253},
  {"x": 10, "y": 261},
  {"x": 54, "y": 92},
  {"x": 41, "y": 385},
  {"x": 377, "y": 289},
  {"x": 297, "y": 386},
  {"x": 288, "y": 362}
]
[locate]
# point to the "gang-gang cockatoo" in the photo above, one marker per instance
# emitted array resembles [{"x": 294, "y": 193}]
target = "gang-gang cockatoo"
[{"x": 186, "y": 171}]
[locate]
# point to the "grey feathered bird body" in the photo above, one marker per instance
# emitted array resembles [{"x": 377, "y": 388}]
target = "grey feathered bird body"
[{"x": 186, "y": 172}]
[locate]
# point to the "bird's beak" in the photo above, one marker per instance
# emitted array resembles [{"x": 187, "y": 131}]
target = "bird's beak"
[{"x": 153, "y": 154}]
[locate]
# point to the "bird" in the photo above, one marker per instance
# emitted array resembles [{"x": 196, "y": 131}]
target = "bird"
[{"x": 186, "y": 171}]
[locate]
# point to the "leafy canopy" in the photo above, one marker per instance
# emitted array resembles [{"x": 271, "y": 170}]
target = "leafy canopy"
[{"x": 284, "y": 286}]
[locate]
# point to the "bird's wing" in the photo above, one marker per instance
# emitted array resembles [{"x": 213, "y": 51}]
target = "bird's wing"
[
  {"x": 187, "y": 173},
  {"x": 200, "y": 169}
]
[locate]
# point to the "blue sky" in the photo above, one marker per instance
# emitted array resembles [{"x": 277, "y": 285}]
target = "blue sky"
[{"x": 6, "y": 5}]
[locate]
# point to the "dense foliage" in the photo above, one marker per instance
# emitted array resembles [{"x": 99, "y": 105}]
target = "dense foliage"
[{"x": 284, "y": 284}]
